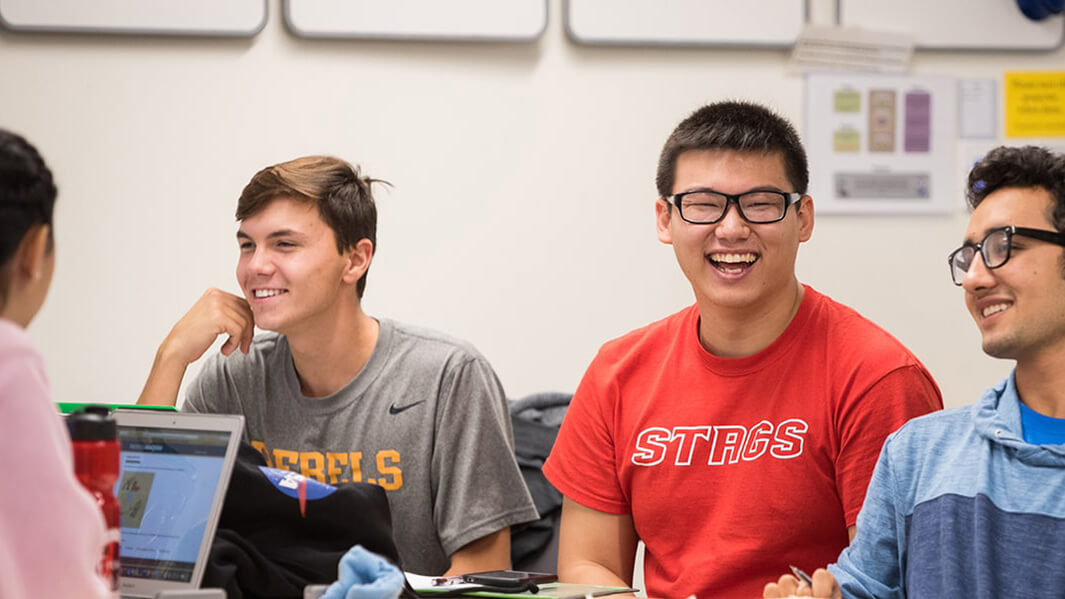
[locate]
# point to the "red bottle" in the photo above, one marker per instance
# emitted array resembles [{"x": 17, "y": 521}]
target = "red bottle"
[{"x": 94, "y": 435}]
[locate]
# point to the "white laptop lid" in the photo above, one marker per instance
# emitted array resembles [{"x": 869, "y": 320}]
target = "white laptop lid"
[{"x": 175, "y": 469}]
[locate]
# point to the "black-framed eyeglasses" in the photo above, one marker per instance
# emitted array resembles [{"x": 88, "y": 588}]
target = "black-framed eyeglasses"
[
  {"x": 706, "y": 207},
  {"x": 995, "y": 249}
]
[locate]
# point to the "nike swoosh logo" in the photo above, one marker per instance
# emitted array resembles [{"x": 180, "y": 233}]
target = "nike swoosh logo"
[{"x": 394, "y": 409}]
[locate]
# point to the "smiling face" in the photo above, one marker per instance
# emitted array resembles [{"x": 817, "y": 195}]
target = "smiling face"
[
  {"x": 732, "y": 263},
  {"x": 290, "y": 270},
  {"x": 1017, "y": 306}
]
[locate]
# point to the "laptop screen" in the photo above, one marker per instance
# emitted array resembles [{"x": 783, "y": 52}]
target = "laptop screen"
[{"x": 166, "y": 489}]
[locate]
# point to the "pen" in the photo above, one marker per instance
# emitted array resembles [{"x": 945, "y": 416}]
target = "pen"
[{"x": 803, "y": 576}]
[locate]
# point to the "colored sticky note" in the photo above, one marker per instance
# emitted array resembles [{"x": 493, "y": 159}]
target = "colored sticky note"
[
  {"x": 846, "y": 139},
  {"x": 1035, "y": 104},
  {"x": 882, "y": 120},
  {"x": 848, "y": 100},
  {"x": 917, "y": 121}
]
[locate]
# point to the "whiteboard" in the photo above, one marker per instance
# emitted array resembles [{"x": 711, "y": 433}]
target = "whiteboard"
[
  {"x": 238, "y": 18},
  {"x": 472, "y": 20},
  {"x": 956, "y": 24},
  {"x": 685, "y": 22}
]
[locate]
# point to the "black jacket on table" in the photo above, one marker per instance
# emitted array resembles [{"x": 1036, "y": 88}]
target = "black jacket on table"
[{"x": 265, "y": 548}]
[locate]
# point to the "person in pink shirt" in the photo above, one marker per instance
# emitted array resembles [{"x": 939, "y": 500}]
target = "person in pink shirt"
[{"x": 52, "y": 534}]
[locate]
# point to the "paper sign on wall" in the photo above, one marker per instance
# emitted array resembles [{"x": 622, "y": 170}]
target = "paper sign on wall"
[
  {"x": 1035, "y": 104},
  {"x": 881, "y": 144}
]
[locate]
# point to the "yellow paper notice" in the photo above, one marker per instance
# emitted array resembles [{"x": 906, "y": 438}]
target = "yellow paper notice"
[
  {"x": 1035, "y": 104},
  {"x": 846, "y": 139}
]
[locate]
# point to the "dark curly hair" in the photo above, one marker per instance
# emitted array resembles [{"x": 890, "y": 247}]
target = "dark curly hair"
[{"x": 1028, "y": 166}]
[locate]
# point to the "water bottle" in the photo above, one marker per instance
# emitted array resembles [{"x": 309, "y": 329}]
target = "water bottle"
[{"x": 94, "y": 435}]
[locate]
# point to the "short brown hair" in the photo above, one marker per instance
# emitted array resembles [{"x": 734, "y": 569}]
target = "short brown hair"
[{"x": 339, "y": 191}]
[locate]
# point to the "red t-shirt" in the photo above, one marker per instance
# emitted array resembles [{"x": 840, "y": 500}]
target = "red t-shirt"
[{"x": 734, "y": 469}]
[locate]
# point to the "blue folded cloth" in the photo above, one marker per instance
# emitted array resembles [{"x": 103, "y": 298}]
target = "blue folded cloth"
[{"x": 363, "y": 574}]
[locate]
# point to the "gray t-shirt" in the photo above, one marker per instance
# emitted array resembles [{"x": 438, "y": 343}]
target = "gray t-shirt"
[{"x": 426, "y": 419}]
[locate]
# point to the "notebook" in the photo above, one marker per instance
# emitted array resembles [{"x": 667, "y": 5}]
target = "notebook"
[{"x": 175, "y": 469}]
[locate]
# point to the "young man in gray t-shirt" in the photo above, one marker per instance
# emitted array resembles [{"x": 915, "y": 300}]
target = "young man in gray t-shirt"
[{"x": 340, "y": 396}]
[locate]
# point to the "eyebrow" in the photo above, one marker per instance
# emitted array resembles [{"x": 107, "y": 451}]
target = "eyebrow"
[
  {"x": 758, "y": 188},
  {"x": 276, "y": 234},
  {"x": 980, "y": 236}
]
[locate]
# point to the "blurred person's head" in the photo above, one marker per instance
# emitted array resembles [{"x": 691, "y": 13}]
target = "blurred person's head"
[{"x": 27, "y": 257}]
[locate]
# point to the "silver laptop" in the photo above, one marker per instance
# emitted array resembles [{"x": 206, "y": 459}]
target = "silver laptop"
[{"x": 175, "y": 469}]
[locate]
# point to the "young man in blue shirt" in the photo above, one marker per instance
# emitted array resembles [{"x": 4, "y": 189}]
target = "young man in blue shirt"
[{"x": 969, "y": 502}]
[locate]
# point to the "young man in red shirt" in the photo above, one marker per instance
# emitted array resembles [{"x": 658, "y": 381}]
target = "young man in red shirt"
[{"x": 762, "y": 407}]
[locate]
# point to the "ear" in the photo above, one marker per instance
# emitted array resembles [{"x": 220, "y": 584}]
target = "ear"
[
  {"x": 32, "y": 253},
  {"x": 806, "y": 218},
  {"x": 663, "y": 216},
  {"x": 359, "y": 258}
]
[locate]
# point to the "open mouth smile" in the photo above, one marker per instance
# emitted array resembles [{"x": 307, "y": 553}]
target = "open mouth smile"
[
  {"x": 732, "y": 263},
  {"x": 995, "y": 309}
]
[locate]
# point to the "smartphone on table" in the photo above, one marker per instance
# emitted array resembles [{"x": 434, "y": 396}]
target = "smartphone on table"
[{"x": 510, "y": 579}]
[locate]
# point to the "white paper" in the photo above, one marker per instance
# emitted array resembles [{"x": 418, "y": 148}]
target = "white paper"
[
  {"x": 831, "y": 47},
  {"x": 419, "y": 582},
  {"x": 976, "y": 108}
]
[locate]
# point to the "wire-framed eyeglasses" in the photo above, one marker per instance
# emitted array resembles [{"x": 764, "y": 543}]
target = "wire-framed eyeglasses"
[
  {"x": 995, "y": 249},
  {"x": 706, "y": 206}
]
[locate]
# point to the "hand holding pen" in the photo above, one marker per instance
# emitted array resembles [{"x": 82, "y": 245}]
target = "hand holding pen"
[
  {"x": 821, "y": 584},
  {"x": 802, "y": 576}
]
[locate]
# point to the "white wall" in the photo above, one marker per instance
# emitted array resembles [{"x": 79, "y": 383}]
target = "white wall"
[{"x": 521, "y": 217}]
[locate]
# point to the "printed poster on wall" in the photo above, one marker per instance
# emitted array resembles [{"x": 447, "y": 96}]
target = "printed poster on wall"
[
  {"x": 881, "y": 144},
  {"x": 1035, "y": 104}
]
